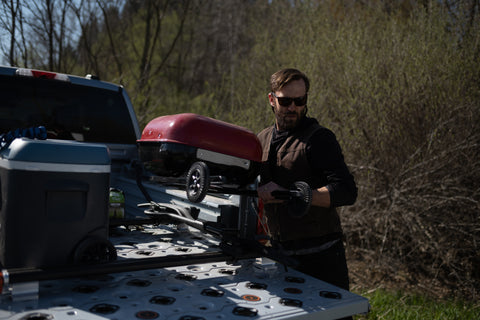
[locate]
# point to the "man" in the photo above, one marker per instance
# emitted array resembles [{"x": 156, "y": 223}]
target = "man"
[{"x": 297, "y": 148}]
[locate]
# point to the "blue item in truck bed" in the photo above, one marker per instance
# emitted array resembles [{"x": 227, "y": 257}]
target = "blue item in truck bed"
[
  {"x": 32, "y": 133},
  {"x": 54, "y": 202}
]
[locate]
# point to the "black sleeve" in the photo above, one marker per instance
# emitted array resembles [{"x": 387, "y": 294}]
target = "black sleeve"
[{"x": 326, "y": 158}]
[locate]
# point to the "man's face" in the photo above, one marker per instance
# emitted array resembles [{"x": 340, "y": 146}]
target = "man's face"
[{"x": 288, "y": 116}]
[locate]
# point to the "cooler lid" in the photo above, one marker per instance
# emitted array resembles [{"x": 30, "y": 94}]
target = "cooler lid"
[
  {"x": 56, "y": 151},
  {"x": 206, "y": 133}
]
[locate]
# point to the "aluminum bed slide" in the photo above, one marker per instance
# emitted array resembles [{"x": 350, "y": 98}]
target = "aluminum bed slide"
[{"x": 245, "y": 289}]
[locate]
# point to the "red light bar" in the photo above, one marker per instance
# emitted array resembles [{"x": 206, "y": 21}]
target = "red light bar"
[{"x": 42, "y": 74}]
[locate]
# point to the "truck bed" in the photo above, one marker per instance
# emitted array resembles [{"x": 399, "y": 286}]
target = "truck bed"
[{"x": 256, "y": 288}]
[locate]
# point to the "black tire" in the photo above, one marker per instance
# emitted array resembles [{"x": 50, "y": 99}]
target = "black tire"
[
  {"x": 198, "y": 182},
  {"x": 299, "y": 206},
  {"x": 94, "y": 249}
]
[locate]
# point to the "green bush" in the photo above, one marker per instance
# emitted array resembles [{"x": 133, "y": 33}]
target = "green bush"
[{"x": 402, "y": 94}]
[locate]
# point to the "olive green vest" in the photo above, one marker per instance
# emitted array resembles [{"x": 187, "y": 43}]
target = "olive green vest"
[{"x": 291, "y": 166}]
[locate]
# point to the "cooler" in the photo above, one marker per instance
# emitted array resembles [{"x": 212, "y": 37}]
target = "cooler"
[{"x": 54, "y": 203}]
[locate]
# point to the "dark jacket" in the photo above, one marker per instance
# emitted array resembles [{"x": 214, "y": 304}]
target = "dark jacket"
[{"x": 312, "y": 154}]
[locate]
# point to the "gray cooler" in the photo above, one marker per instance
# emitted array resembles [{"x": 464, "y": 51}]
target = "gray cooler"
[{"x": 54, "y": 203}]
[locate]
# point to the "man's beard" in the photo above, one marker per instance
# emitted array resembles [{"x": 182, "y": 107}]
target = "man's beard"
[{"x": 288, "y": 123}]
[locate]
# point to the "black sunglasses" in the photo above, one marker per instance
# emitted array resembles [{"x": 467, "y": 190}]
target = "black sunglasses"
[{"x": 287, "y": 101}]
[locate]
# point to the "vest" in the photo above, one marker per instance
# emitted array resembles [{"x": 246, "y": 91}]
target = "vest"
[{"x": 292, "y": 165}]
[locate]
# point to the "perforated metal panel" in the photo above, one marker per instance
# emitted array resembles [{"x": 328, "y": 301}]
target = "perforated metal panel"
[{"x": 253, "y": 288}]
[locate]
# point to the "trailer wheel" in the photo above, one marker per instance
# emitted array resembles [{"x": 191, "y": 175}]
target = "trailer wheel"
[{"x": 198, "y": 182}]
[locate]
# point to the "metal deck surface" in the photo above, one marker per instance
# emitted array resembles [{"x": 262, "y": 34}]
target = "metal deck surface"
[{"x": 246, "y": 289}]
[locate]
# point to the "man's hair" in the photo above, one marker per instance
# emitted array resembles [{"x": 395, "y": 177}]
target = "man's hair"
[{"x": 283, "y": 77}]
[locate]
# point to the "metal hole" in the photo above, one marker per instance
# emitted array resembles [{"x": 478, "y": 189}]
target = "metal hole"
[
  {"x": 256, "y": 286},
  {"x": 162, "y": 300},
  {"x": 187, "y": 277},
  {"x": 294, "y": 279},
  {"x": 245, "y": 312},
  {"x": 146, "y": 314},
  {"x": 228, "y": 271},
  {"x": 293, "y": 290},
  {"x": 212, "y": 293},
  {"x": 85, "y": 289},
  {"x": 104, "y": 308},
  {"x": 291, "y": 302},
  {"x": 251, "y": 297},
  {"x": 37, "y": 316},
  {"x": 144, "y": 252},
  {"x": 139, "y": 283},
  {"x": 331, "y": 294},
  {"x": 191, "y": 318}
]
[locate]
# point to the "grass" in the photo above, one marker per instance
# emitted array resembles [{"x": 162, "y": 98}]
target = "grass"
[{"x": 398, "y": 305}]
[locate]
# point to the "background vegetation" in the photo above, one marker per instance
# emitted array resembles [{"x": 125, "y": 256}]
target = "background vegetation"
[
  {"x": 400, "y": 306},
  {"x": 397, "y": 81}
]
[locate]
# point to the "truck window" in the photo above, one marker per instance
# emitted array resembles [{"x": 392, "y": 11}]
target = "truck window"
[{"x": 67, "y": 111}]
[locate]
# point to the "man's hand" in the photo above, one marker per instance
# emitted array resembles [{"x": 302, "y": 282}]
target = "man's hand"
[
  {"x": 321, "y": 197},
  {"x": 265, "y": 192}
]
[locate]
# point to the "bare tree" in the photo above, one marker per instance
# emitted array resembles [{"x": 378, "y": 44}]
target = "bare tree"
[
  {"x": 89, "y": 48},
  {"x": 147, "y": 58},
  {"x": 52, "y": 31},
  {"x": 9, "y": 20},
  {"x": 104, "y": 7}
]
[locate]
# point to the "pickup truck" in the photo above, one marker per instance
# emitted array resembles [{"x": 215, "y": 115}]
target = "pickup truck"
[{"x": 66, "y": 143}]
